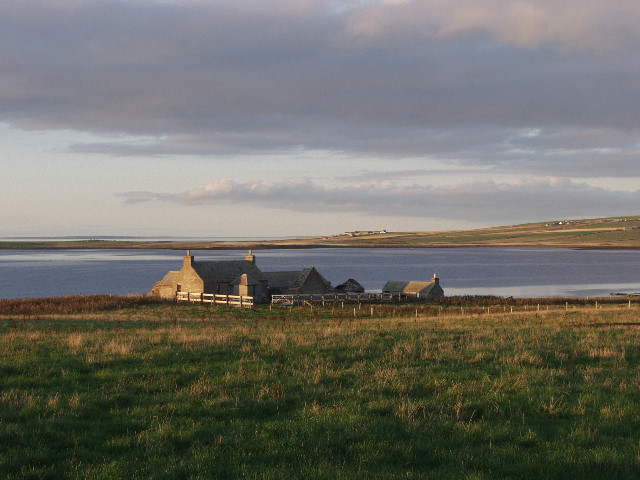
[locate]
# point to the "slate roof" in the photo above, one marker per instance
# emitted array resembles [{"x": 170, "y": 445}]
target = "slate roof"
[
  {"x": 305, "y": 274},
  {"x": 394, "y": 286},
  {"x": 350, "y": 285},
  {"x": 292, "y": 280},
  {"x": 246, "y": 279},
  {"x": 226, "y": 271},
  {"x": 410, "y": 288},
  {"x": 281, "y": 280}
]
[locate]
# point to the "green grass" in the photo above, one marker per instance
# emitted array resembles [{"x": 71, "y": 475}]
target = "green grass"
[{"x": 160, "y": 390}]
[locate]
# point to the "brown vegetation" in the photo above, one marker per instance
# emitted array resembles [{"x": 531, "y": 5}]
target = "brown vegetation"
[{"x": 72, "y": 304}]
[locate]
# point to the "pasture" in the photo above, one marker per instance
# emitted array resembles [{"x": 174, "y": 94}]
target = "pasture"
[{"x": 128, "y": 388}]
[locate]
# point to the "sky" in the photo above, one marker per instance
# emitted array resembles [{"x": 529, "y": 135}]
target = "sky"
[{"x": 256, "y": 118}]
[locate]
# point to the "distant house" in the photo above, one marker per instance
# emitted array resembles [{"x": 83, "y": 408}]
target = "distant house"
[
  {"x": 431, "y": 289},
  {"x": 238, "y": 277}
]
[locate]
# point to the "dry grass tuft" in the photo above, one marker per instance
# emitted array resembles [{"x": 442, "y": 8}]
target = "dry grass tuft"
[
  {"x": 201, "y": 387},
  {"x": 118, "y": 347},
  {"x": 197, "y": 340},
  {"x": 76, "y": 340},
  {"x": 74, "y": 401},
  {"x": 17, "y": 399},
  {"x": 53, "y": 401},
  {"x": 607, "y": 353}
]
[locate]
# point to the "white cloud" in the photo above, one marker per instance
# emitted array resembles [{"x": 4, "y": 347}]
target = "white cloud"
[{"x": 470, "y": 201}]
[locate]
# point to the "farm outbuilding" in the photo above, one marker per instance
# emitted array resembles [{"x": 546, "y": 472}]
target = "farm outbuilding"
[
  {"x": 350, "y": 286},
  {"x": 306, "y": 281},
  {"x": 415, "y": 289}
]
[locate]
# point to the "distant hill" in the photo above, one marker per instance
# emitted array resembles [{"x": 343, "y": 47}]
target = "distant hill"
[{"x": 614, "y": 232}]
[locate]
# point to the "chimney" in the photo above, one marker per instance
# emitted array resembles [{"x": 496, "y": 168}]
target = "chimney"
[
  {"x": 435, "y": 279},
  {"x": 250, "y": 258},
  {"x": 188, "y": 259}
]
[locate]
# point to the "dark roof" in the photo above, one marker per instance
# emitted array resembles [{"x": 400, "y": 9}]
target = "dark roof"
[
  {"x": 350, "y": 285},
  {"x": 226, "y": 271},
  {"x": 293, "y": 280},
  {"x": 305, "y": 274},
  {"x": 246, "y": 279},
  {"x": 394, "y": 286},
  {"x": 281, "y": 280}
]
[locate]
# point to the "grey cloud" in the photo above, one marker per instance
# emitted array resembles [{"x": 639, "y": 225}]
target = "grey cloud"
[
  {"x": 569, "y": 24},
  {"x": 488, "y": 201},
  {"x": 431, "y": 78},
  {"x": 139, "y": 196}
]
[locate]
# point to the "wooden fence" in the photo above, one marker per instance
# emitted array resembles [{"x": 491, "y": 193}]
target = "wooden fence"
[
  {"x": 213, "y": 299},
  {"x": 299, "y": 299}
]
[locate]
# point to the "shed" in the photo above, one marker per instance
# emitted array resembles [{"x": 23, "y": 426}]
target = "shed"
[
  {"x": 350, "y": 286},
  {"x": 415, "y": 289}
]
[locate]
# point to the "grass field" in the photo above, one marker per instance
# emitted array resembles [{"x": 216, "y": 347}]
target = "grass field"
[{"x": 123, "y": 388}]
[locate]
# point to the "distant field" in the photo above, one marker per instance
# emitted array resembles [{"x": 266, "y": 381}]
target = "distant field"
[
  {"x": 107, "y": 387},
  {"x": 621, "y": 232}
]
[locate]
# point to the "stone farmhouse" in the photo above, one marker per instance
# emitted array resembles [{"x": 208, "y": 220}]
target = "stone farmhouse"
[
  {"x": 431, "y": 289},
  {"x": 238, "y": 277}
]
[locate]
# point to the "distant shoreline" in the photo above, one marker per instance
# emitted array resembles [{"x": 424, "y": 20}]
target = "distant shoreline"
[
  {"x": 115, "y": 245},
  {"x": 616, "y": 233}
]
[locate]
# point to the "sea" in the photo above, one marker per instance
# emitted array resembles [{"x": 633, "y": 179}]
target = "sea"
[{"x": 504, "y": 272}]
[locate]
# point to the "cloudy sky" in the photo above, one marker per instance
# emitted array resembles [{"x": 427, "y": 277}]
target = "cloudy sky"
[{"x": 299, "y": 117}]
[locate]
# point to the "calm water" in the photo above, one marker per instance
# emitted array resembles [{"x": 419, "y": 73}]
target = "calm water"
[{"x": 519, "y": 272}]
